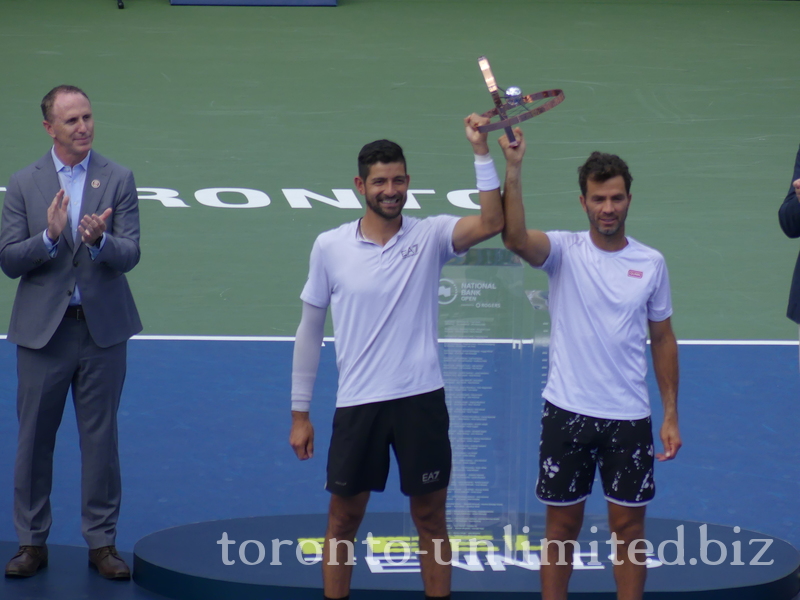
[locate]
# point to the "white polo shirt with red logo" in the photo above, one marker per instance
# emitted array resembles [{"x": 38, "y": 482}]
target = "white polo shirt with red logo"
[{"x": 600, "y": 304}]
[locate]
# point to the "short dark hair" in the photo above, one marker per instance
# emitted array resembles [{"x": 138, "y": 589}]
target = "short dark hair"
[
  {"x": 601, "y": 167},
  {"x": 50, "y": 98},
  {"x": 379, "y": 151}
]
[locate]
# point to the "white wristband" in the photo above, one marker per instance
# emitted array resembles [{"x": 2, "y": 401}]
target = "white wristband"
[
  {"x": 301, "y": 406},
  {"x": 486, "y": 174}
]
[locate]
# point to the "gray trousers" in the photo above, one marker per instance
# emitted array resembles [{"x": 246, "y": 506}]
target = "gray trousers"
[{"x": 96, "y": 375}]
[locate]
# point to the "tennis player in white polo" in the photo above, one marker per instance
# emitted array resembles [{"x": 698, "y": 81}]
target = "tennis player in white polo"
[
  {"x": 607, "y": 293},
  {"x": 380, "y": 277}
]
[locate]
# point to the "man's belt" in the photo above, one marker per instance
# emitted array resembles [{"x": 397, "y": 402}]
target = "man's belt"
[{"x": 75, "y": 311}]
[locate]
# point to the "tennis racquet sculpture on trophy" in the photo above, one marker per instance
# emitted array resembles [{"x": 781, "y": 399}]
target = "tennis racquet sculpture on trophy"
[{"x": 511, "y": 106}]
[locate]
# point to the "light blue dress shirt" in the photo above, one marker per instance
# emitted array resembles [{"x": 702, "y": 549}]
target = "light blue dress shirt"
[{"x": 73, "y": 180}]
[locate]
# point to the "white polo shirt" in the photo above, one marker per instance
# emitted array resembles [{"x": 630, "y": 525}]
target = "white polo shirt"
[
  {"x": 385, "y": 306},
  {"x": 600, "y": 305}
]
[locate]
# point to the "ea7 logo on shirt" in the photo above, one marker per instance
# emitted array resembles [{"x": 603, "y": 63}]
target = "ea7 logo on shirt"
[
  {"x": 637, "y": 274},
  {"x": 431, "y": 477},
  {"x": 410, "y": 251}
]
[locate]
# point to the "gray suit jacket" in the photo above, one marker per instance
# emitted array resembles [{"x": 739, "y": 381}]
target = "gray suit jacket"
[{"x": 46, "y": 284}]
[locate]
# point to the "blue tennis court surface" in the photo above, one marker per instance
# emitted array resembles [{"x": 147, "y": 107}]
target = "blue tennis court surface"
[{"x": 204, "y": 427}]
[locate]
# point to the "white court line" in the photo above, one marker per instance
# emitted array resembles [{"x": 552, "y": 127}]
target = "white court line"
[
  {"x": 217, "y": 338},
  {"x": 738, "y": 342},
  {"x": 256, "y": 338},
  {"x": 243, "y": 338}
]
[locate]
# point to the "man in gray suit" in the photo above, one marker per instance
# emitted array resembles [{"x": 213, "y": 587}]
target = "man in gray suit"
[{"x": 70, "y": 230}]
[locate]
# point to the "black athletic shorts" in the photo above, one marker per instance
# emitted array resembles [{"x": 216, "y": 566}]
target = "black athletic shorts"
[
  {"x": 415, "y": 427},
  {"x": 572, "y": 444}
]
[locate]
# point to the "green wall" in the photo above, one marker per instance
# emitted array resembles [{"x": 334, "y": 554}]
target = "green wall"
[{"x": 701, "y": 99}]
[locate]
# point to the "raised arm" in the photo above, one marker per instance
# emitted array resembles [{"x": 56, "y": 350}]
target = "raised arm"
[
  {"x": 664, "y": 348},
  {"x": 789, "y": 212},
  {"x": 532, "y": 245},
  {"x": 305, "y": 362},
  {"x": 474, "y": 229}
]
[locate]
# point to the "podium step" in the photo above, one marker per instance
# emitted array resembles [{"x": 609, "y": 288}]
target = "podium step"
[{"x": 277, "y": 557}]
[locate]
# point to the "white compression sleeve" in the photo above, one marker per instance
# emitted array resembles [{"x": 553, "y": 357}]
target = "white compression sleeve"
[{"x": 305, "y": 361}]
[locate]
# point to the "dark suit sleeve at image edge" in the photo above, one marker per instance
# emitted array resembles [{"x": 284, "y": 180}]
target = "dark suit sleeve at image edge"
[{"x": 789, "y": 212}]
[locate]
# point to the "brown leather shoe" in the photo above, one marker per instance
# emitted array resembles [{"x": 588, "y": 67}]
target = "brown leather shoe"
[
  {"x": 108, "y": 563},
  {"x": 27, "y": 561}
]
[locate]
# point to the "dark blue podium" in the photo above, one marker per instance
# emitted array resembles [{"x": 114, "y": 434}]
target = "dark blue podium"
[{"x": 278, "y": 557}]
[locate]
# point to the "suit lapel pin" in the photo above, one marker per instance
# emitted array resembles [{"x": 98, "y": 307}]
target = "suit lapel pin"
[{"x": 95, "y": 183}]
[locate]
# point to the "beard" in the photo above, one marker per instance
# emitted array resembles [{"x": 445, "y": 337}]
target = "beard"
[
  {"x": 608, "y": 230},
  {"x": 390, "y": 211}
]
